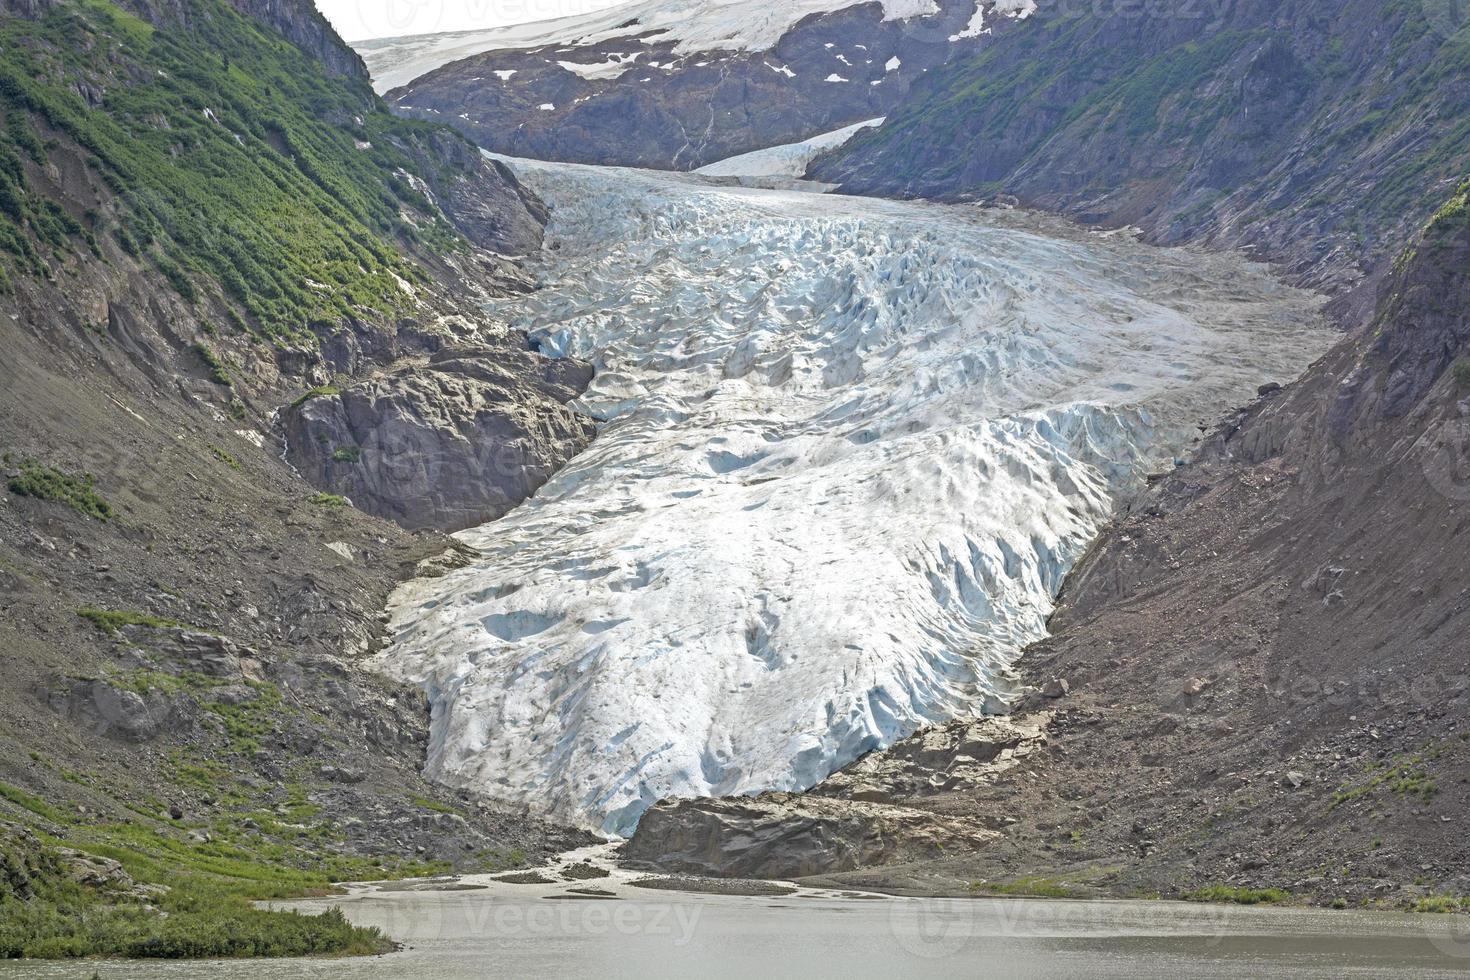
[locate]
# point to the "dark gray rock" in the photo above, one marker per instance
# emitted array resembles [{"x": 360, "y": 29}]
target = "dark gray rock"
[
  {"x": 179, "y": 650},
  {"x": 697, "y": 107},
  {"x": 450, "y": 444},
  {"x": 782, "y": 835},
  {"x": 1248, "y": 123},
  {"x": 114, "y": 712}
]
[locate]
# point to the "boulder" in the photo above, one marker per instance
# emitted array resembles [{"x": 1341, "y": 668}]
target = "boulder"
[{"x": 114, "y": 712}]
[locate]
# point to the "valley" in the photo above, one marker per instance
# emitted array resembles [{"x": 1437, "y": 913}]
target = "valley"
[
  {"x": 848, "y": 451},
  {"x": 864, "y": 476}
]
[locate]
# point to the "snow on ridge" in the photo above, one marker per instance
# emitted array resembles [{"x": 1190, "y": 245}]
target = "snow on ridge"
[{"x": 694, "y": 26}]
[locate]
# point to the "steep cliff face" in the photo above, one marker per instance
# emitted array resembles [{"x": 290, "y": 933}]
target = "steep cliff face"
[
  {"x": 1258, "y": 676},
  {"x": 678, "y": 86},
  {"x": 1319, "y": 134},
  {"x": 299, "y": 22}
]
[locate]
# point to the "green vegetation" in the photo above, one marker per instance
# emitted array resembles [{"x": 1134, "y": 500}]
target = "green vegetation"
[
  {"x": 238, "y": 168},
  {"x": 45, "y": 914},
  {"x": 1404, "y": 775},
  {"x": 1237, "y": 896},
  {"x": 1462, "y": 373},
  {"x": 1030, "y": 887},
  {"x": 347, "y": 454},
  {"x": 45, "y": 483},
  {"x": 435, "y": 806},
  {"x": 217, "y": 372},
  {"x": 224, "y": 457},
  {"x": 1437, "y": 904},
  {"x": 326, "y": 391},
  {"x": 113, "y": 620},
  {"x": 330, "y": 500}
]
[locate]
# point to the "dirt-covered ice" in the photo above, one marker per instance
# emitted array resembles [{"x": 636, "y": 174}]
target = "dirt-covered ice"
[{"x": 851, "y": 449}]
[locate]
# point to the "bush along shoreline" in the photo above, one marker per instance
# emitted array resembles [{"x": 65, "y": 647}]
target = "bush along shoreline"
[{"x": 59, "y": 902}]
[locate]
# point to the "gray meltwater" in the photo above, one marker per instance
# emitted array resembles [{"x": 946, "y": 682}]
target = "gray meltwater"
[{"x": 543, "y": 932}]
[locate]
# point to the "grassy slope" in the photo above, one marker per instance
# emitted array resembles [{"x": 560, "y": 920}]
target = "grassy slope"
[{"x": 225, "y": 178}]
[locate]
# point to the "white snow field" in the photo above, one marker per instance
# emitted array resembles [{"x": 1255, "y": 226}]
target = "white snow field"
[
  {"x": 787, "y": 159},
  {"x": 851, "y": 448},
  {"x": 694, "y": 25}
]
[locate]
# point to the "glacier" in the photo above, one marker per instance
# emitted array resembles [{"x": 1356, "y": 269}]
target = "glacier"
[
  {"x": 786, "y": 159},
  {"x": 848, "y": 451}
]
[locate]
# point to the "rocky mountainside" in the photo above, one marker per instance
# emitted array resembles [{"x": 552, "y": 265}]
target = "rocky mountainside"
[
  {"x": 1321, "y": 135},
  {"x": 679, "y": 85},
  {"x": 1255, "y": 686},
  {"x": 203, "y": 218}
]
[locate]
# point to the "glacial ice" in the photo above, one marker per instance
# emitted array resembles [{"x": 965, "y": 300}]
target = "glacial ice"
[
  {"x": 787, "y": 159},
  {"x": 850, "y": 449}
]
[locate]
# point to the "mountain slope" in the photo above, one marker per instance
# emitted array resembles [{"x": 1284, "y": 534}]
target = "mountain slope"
[
  {"x": 198, "y": 220},
  {"x": 1321, "y": 135},
  {"x": 678, "y": 84},
  {"x": 1255, "y": 683}
]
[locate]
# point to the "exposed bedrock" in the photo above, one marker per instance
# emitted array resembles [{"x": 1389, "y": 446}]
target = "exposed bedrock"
[
  {"x": 785, "y": 835},
  {"x": 448, "y": 444}
]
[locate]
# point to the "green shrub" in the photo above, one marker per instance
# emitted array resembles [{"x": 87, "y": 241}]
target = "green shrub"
[
  {"x": 326, "y": 391},
  {"x": 45, "y": 483},
  {"x": 347, "y": 454},
  {"x": 224, "y": 457},
  {"x": 1462, "y": 373},
  {"x": 330, "y": 500},
  {"x": 217, "y": 372},
  {"x": 1237, "y": 896},
  {"x": 113, "y": 620},
  {"x": 1439, "y": 904}
]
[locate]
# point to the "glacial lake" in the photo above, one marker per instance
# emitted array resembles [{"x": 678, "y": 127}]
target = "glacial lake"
[{"x": 534, "y": 931}]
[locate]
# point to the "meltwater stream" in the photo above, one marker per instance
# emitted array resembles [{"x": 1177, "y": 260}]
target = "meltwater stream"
[{"x": 850, "y": 450}]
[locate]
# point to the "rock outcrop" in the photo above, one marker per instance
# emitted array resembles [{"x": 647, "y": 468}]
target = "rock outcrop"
[
  {"x": 448, "y": 444},
  {"x": 783, "y": 835},
  {"x": 869, "y": 815}
]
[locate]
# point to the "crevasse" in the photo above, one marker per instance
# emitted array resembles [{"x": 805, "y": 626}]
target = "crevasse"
[{"x": 850, "y": 450}]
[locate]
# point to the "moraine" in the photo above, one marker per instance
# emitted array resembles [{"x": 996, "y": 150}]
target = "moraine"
[{"x": 849, "y": 451}]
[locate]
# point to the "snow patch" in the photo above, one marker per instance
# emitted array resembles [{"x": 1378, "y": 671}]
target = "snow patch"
[
  {"x": 1019, "y": 9},
  {"x": 614, "y": 67}
]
